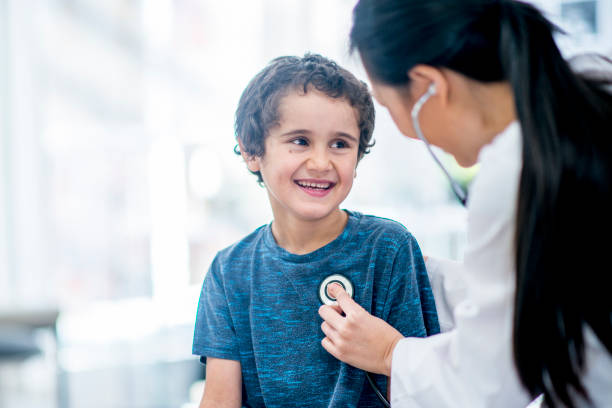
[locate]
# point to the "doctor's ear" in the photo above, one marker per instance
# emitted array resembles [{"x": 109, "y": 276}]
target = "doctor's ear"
[{"x": 425, "y": 78}]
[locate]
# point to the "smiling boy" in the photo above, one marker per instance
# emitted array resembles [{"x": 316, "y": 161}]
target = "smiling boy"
[{"x": 302, "y": 126}]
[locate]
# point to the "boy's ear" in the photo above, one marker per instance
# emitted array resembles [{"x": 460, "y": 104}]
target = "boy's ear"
[{"x": 252, "y": 162}]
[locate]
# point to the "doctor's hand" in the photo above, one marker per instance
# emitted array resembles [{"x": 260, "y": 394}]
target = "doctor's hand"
[{"x": 357, "y": 338}]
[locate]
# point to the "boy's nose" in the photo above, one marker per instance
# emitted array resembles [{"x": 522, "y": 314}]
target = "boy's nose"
[{"x": 319, "y": 161}]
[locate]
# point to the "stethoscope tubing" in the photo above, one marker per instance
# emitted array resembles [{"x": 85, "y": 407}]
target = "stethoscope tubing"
[
  {"x": 457, "y": 189},
  {"x": 380, "y": 396},
  {"x": 416, "y": 109}
]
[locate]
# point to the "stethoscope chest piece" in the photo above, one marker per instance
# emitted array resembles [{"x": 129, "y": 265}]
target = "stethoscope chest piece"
[{"x": 341, "y": 280}]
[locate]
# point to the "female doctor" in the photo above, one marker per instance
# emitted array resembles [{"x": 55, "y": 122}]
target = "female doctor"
[{"x": 484, "y": 80}]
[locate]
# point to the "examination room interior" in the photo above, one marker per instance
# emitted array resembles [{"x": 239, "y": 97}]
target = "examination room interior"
[{"x": 118, "y": 181}]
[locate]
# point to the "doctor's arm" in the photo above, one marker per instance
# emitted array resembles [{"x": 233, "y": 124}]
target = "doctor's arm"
[{"x": 223, "y": 387}]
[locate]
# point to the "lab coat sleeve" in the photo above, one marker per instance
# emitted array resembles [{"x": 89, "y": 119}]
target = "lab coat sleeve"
[
  {"x": 448, "y": 288},
  {"x": 472, "y": 364}
]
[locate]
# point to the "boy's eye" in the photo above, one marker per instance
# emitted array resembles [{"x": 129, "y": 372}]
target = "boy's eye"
[
  {"x": 300, "y": 141},
  {"x": 340, "y": 144}
]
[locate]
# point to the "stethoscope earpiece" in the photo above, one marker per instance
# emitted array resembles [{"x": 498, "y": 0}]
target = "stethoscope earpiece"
[
  {"x": 432, "y": 88},
  {"x": 341, "y": 280}
]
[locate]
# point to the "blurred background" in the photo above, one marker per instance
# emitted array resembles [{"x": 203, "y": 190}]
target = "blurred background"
[{"x": 118, "y": 183}]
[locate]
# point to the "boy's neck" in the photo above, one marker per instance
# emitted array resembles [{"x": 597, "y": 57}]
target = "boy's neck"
[{"x": 302, "y": 237}]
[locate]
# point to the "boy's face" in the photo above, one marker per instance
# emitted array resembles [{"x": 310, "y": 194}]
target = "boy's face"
[{"x": 310, "y": 158}]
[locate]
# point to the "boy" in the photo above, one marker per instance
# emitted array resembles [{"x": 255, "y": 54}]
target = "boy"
[{"x": 302, "y": 125}]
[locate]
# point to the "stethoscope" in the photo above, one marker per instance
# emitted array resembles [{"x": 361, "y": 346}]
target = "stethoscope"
[
  {"x": 461, "y": 194},
  {"x": 457, "y": 189}
]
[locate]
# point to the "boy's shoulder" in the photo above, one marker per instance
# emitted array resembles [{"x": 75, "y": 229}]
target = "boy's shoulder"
[
  {"x": 242, "y": 247},
  {"x": 373, "y": 224}
]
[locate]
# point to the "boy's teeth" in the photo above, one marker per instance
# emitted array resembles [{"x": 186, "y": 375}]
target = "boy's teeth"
[{"x": 313, "y": 185}]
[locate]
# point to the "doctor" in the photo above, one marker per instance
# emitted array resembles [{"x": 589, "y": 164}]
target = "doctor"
[{"x": 484, "y": 80}]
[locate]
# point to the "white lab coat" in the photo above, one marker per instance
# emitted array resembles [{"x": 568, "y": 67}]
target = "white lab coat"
[{"x": 471, "y": 364}]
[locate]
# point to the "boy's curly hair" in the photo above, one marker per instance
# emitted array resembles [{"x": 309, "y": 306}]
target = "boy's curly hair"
[{"x": 258, "y": 107}]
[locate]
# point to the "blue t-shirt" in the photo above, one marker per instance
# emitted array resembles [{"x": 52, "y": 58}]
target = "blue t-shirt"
[{"x": 259, "y": 305}]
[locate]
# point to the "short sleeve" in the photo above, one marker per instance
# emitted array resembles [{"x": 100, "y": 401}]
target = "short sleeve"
[
  {"x": 214, "y": 334},
  {"x": 410, "y": 305}
]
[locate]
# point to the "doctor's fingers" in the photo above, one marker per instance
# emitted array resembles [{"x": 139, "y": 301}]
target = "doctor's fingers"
[
  {"x": 331, "y": 348},
  {"x": 335, "y": 343},
  {"x": 331, "y": 315},
  {"x": 340, "y": 329},
  {"x": 331, "y": 333},
  {"x": 346, "y": 303}
]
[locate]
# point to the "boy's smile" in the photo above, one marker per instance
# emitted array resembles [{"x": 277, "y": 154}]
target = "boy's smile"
[
  {"x": 316, "y": 188},
  {"x": 310, "y": 156}
]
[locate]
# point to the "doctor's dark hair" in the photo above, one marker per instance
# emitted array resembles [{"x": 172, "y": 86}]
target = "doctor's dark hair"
[
  {"x": 258, "y": 108},
  {"x": 564, "y": 215}
]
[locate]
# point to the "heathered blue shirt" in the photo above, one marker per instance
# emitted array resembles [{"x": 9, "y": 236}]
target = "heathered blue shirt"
[{"x": 259, "y": 306}]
